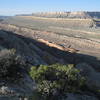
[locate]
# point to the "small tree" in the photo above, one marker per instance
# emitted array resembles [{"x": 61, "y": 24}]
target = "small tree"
[{"x": 56, "y": 80}]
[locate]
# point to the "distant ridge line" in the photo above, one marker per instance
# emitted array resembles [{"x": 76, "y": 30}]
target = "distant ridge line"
[{"x": 77, "y": 14}]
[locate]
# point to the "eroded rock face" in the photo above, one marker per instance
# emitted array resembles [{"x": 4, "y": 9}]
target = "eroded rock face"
[
  {"x": 9, "y": 40},
  {"x": 36, "y": 56},
  {"x": 92, "y": 77}
]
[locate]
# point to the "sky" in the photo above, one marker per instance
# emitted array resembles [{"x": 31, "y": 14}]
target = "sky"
[{"x": 13, "y": 7}]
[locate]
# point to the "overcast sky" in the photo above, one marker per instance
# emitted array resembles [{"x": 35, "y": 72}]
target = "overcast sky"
[{"x": 12, "y": 7}]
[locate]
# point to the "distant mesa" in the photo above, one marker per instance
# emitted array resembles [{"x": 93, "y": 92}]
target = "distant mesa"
[{"x": 78, "y": 14}]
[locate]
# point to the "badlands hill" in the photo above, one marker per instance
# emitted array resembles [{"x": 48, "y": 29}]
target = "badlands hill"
[{"x": 35, "y": 49}]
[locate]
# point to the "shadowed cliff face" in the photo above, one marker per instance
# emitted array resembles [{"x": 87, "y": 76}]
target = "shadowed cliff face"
[
  {"x": 36, "y": 52},
  {"x": 40, "y": 47}
]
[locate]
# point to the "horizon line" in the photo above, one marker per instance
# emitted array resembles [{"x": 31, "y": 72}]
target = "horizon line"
[{"x": 45, "y": 12}]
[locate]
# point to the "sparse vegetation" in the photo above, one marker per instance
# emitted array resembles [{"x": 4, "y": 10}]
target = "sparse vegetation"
[
  {"x": 10, "y": 66},
  {"x": 56, "y": 80}
]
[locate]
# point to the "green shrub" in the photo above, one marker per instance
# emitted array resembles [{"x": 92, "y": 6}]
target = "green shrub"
[{"x": 57, "y": 80}]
